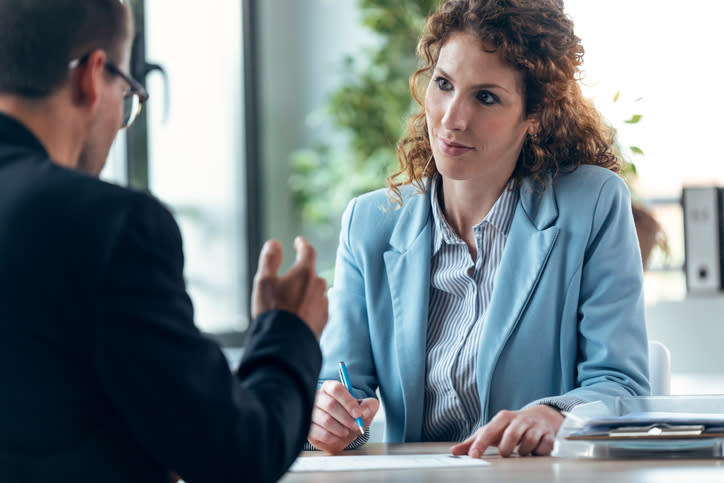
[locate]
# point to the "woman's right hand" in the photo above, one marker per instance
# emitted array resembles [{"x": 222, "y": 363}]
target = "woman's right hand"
[{"x": 333, "y": 418}]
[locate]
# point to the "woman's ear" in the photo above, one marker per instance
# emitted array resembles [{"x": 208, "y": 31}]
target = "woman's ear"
[{"x": 533, "y": 126}]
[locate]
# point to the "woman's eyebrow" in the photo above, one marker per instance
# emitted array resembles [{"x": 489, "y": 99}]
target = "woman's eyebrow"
[{"x": 488, "y": 85}]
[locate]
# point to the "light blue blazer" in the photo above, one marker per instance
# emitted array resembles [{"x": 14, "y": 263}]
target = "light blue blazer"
[{"x": 566, "y": 315}]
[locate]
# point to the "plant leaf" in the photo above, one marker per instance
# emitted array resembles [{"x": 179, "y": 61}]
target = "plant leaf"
[
  {"x": 615, "y": 97},
  {"x": 636, "y": 150},
  {"x": 634, "y": 119}
]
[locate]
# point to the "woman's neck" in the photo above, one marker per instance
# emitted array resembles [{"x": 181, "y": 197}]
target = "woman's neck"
[{"x": 467, "y": 203}]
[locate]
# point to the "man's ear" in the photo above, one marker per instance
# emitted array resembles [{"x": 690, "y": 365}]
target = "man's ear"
[{"x": 88, "y": 81}]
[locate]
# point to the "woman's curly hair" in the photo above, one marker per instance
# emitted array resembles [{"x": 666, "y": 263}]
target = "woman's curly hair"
[{"x": 536, "y": 38}]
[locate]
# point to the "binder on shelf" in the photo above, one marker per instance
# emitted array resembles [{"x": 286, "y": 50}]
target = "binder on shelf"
[{"x": 703, "y": 213}]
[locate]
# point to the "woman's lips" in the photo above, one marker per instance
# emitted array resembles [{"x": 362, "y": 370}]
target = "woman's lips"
[{"x": 452, "y": 148}]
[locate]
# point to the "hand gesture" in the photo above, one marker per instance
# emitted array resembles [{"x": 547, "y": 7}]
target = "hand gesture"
[
  {"x": 299, "y": 291},
  {"x": 532, "y": 430}
]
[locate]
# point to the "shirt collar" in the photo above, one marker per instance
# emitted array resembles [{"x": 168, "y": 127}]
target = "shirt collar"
[
  {"x": 500, "y": 216},
  {"x": 14, "y": 132}
]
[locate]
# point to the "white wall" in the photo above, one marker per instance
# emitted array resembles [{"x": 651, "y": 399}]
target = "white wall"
[{"x": 693, "y": 330}]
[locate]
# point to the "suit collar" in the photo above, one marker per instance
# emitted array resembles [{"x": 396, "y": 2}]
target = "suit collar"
[
  {"x": 414, "y": 218},
  {"x": 407, "y": 265},
  {"x": 539, "y": 206},
  {"x": 531, "y": 240},
  {"x": 13, "y": 132},
  {"x": 408, "y": 274}
]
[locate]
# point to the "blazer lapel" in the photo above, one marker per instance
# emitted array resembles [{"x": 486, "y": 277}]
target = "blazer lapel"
[
  {"x": 530, "y": 241},
  {"x": 408, "y": 273}
]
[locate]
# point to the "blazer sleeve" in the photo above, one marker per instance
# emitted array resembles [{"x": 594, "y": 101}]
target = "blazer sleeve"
[
  {"x": 612, "y": 341},
  {"x": 172, "y": 387},
  {"x": 347, "y": 335}
]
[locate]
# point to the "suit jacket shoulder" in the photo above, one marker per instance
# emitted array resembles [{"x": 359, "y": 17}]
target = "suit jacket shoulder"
[
  {"x": 382, "y": 223},
  {"x": 577, "y": 187}
]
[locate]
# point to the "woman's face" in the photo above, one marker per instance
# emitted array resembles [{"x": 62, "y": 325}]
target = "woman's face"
[{"x": 475, "y": 113}]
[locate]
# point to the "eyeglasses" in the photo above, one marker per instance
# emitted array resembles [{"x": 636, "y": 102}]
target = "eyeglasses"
[{"x": 133, "y": 99}]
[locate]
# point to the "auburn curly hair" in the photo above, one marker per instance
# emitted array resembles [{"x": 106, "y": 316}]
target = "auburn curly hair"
[{"x": 536, "y": 38}]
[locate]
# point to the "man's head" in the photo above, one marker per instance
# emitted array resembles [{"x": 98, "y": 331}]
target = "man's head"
[{"x": 68, "y": 58}]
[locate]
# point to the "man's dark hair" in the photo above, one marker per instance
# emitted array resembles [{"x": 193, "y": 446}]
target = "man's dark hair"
[{"x": 38, "y": 38}]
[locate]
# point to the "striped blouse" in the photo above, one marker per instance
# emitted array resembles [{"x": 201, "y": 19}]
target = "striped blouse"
[{"x": 460, "y": 291}]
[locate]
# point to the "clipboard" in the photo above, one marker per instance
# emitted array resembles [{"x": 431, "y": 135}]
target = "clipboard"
[
  {"x": 660, "y": 427},
  {"x": 651, "y": 426},
  {"x": 650, "y": 432}
]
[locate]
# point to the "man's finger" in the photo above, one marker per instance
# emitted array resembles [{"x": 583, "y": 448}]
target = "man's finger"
[
  {"x": 270, "y": 259},
  {"x": 306, "y": 254}
]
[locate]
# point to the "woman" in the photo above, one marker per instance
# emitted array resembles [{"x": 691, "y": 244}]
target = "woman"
[{"x": 505, "y": 283}]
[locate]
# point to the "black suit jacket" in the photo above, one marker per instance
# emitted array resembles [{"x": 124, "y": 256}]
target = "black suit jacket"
[{"x": 103, "y": 375}]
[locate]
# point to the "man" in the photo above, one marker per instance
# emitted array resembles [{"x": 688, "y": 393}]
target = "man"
[{"x": 104, "y": 376}]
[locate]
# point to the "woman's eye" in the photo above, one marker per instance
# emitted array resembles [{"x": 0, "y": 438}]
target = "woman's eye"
[
  {"x": 443, "y": 84},
  {"x": 487, "y": 98}
]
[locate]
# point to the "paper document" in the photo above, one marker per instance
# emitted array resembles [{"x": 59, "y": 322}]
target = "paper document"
[{"x": 383, "y": 462}]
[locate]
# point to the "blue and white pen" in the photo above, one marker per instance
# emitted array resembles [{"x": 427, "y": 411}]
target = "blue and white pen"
[{"x": 344, "y": 377}]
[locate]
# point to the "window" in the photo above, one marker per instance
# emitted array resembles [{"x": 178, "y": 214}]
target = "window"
[{"x": 196, "y": 156}]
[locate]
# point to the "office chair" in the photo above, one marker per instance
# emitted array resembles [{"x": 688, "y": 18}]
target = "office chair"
[{"x": 659, "y": 369}]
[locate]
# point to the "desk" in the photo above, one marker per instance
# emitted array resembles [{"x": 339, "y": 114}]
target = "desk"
[{"x": 515, "y": 469}]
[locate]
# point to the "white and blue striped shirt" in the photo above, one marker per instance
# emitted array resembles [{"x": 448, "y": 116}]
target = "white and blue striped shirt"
[{"x": 460, "y": 291}]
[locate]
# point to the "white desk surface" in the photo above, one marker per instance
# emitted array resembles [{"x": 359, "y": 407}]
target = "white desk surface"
[{"x": 516, "y": 469}]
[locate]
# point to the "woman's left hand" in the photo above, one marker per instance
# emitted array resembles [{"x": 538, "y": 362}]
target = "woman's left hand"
[{"x": 532, "y": 430}]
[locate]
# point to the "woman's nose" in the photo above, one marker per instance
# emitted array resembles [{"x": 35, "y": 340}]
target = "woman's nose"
[{"x": 456, "y": 116}]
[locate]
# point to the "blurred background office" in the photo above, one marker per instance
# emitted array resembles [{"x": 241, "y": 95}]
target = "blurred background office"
[{"x": 271, "y": 114}]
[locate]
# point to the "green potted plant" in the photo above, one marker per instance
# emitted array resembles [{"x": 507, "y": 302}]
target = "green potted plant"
[{"x": 371, "y": 107}]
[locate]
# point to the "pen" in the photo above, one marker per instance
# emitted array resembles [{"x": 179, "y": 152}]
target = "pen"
[{"x": 344, "y": 377}]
